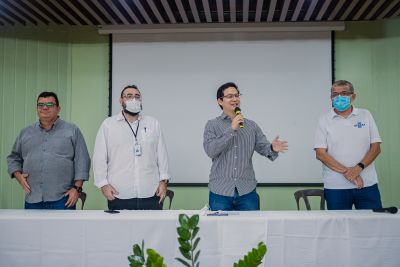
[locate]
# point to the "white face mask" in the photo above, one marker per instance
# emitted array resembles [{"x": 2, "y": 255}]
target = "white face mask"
[{"x": 134, "y": 105}]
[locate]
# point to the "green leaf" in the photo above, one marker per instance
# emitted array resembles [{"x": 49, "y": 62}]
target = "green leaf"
[
  {"x": 194, "y": 221},
  {"x": 137, "y": 259},
  {"x": 183, "y": 262},
  {"x": 184, "y": 250},
  {"x": 185, "y": 253},
  {"x": 184, "y": 220},
  {"x": 188, "y": 231},
  {"x": 247, "y": 260},
  {"x": 262, "y": 249},
  {"x": 196, "y": 242},
  {"x": 134, "y": 262},
  {"x": 195, "y": 231},
  {"x": 183, "y": 233},
  {"x": 151, "y": 252},
  {"x": 185, "y": 245},
  {"x": 254, "y": 257},
  {"x": 136, "y": 250},
  {"x": 154, "y": 259},
  {"x": 196, "y": 257}
]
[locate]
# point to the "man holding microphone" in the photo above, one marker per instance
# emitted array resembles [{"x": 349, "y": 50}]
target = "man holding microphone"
[{"x": 230, "y": 141}]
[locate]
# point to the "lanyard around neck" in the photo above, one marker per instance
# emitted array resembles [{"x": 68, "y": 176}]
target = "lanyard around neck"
[{"x": 137, "y": 128}]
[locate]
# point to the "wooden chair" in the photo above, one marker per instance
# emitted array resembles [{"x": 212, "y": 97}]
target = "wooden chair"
[
  {"x": 170, "y": 196},
  {"x": 305, "y": 193}
]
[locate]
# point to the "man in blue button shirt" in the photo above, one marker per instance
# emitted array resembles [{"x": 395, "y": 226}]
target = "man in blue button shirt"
[
  {"x": 231, "y": 147},
  {"x": 50, "y": 159}
]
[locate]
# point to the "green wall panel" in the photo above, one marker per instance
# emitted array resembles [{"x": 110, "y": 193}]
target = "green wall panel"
[
  {"x": 368, "y": 55},
  {"x": 73, "y": 62}
]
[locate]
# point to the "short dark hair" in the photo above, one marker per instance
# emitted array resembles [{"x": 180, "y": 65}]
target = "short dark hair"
[
  {"x": 221, "y": 89},
  {"x": 127, "y": 87},
  {"x": 48, "y": 94}
]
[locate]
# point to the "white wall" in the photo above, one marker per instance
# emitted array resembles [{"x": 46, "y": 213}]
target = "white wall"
[{"x": 284, "y": 78}]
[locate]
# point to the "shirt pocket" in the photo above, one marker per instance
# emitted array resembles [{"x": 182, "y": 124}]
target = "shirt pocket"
[
  {"x": 61, "y": 146},
  {"x": 148, "y": 135}
]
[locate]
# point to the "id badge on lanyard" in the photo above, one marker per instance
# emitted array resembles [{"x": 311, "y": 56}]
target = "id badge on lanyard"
[{"x": 138, "y": 150}]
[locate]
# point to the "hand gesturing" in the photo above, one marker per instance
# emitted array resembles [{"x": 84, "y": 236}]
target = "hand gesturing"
[{"x": 279, "y": 145}]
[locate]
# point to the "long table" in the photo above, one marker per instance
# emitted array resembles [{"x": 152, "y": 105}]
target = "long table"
[{"x": 293, "y": 238}]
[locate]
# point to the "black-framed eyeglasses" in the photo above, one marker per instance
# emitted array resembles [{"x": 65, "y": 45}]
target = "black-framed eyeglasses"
[
  {"x": 46, "y": 104},
  {"x": 231, "y": 96},
  {"x": 131, "y": 97}
]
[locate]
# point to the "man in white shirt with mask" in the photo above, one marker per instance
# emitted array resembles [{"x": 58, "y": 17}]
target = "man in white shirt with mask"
[
  {"x": 347, "y": 143},
  {"x": 130, "y": 160}
]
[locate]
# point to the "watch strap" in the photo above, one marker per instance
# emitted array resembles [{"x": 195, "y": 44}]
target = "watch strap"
[
  {"x": 361, "y": 165},
  {"x": 78, "y": 188}
]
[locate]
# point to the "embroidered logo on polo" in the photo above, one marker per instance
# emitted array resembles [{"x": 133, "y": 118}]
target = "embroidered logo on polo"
[{"x": 359, "y": 124}]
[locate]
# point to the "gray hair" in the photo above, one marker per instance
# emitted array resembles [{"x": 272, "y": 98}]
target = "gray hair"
[{"x": 343, "y": 83}]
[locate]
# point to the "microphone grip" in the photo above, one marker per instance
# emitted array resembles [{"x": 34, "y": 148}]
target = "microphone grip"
[{"x": 238, "y": 112}]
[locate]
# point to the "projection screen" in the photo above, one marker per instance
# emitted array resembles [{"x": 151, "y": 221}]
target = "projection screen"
[{"x": 284, "y": 77}]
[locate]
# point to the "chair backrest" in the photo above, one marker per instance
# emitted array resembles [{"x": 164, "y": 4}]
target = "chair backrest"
[
  {"x": 305, "y": 193},
  {"x": 170, "y": 196},
  {"x": 82, "y": 197}
]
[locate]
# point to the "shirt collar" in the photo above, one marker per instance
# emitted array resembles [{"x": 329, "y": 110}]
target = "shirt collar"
[
  {"x": 121, "y": 117},
  {"x": 56, "y": 123},
  {"x": 355, "y": 112},
  {"x": 223, "y": 116}
]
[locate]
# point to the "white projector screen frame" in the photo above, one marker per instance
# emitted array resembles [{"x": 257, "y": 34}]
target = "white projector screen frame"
[{"x": 284, "y": 78}]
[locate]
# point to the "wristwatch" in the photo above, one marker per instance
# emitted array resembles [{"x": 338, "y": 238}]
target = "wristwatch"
[
  {"x": 166, "y": 181},
  {"x": 78, "y": 188},
  {"x": 361, "y": 165}
]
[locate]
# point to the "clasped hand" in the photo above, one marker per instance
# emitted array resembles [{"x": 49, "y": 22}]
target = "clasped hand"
[{"x": 353, "y": 175}]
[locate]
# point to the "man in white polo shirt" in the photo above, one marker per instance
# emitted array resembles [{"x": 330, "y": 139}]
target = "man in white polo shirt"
[{"x": 347, "y": 142}]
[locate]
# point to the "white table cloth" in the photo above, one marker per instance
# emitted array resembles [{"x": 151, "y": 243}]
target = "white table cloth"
[{"x": 94, "y": 238}]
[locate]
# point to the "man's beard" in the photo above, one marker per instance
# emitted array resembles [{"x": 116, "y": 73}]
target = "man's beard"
[{"x": 131, "y": 113}]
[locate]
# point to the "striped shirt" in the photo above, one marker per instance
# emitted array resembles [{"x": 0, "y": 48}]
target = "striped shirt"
[{"x": 231, "y": 153}]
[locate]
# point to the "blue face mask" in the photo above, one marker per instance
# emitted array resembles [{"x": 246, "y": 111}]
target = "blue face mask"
[{"x": 341, "y": 103}]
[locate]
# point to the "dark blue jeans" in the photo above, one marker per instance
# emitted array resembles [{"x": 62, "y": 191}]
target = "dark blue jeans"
[
  {"x": 151, "y": 203},
  {"x": 362, "y": 199},
  {"x": 50, "y": 205},
  {"x": 249, "y": 201}
]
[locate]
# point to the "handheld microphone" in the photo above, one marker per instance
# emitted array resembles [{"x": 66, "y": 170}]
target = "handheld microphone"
[
  {"x": 392, "y": 210},
  {"x": 238, "y": 112}
]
